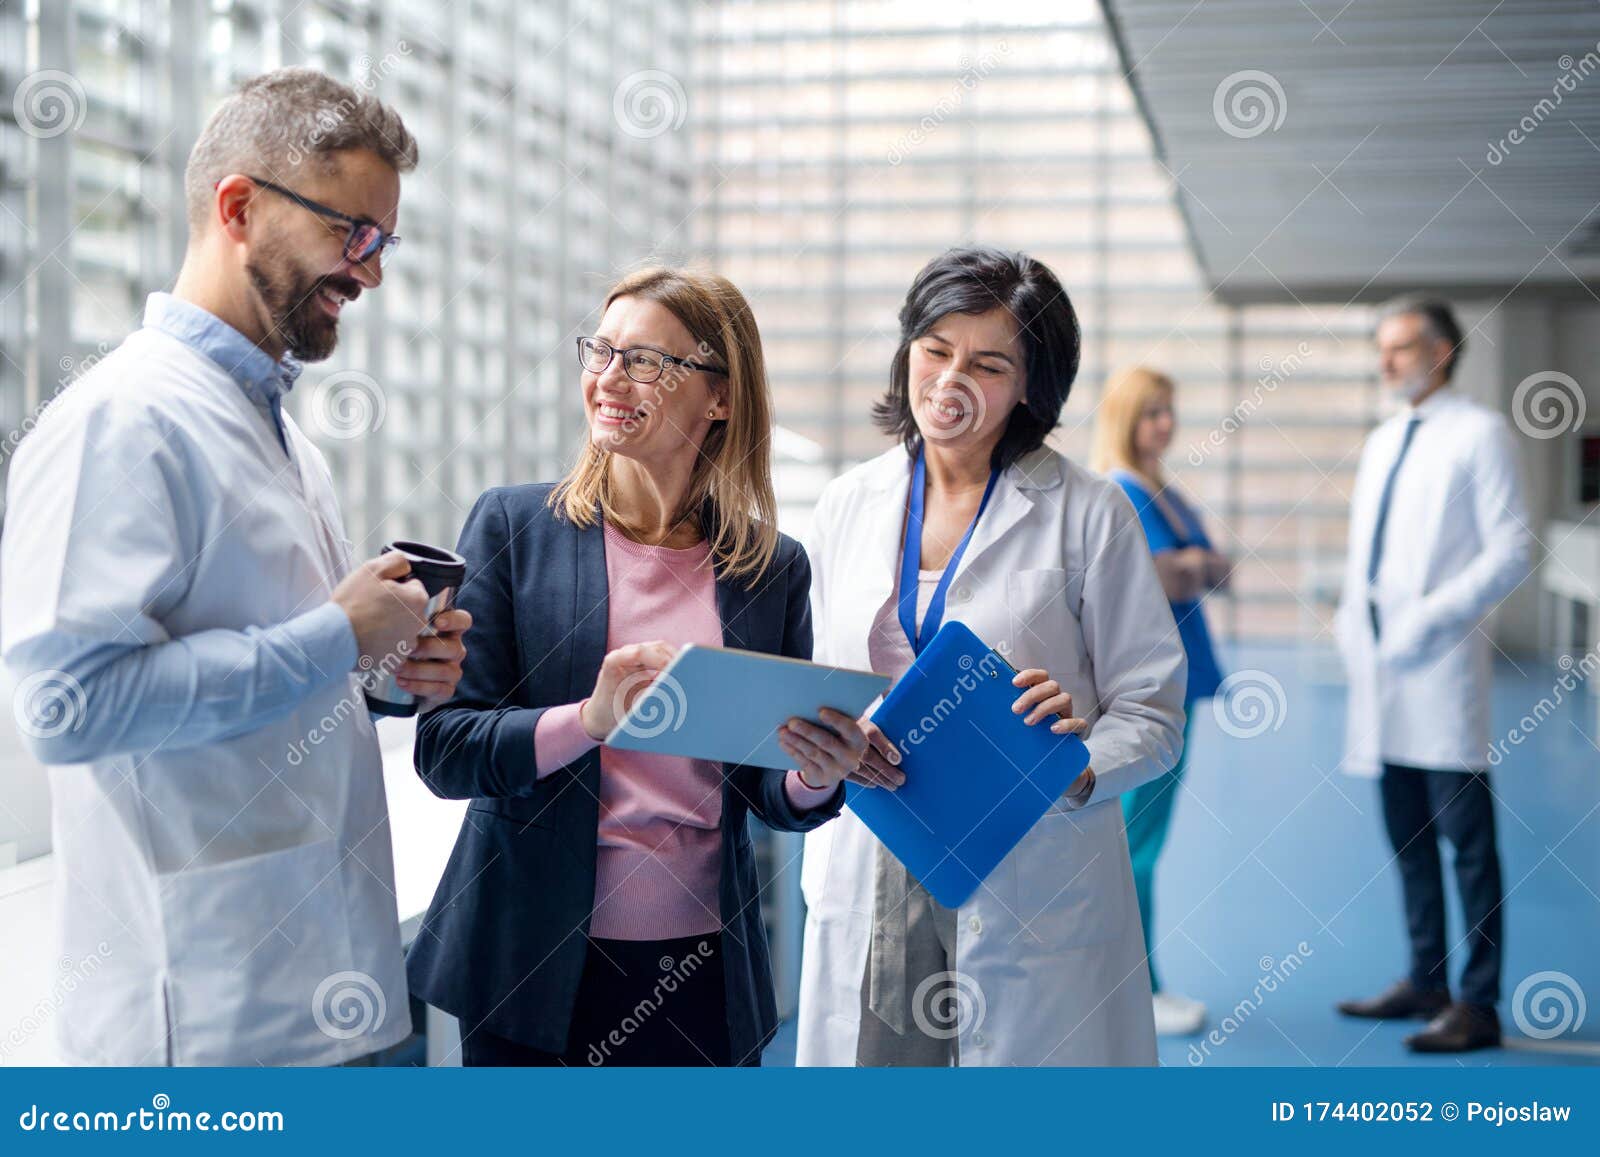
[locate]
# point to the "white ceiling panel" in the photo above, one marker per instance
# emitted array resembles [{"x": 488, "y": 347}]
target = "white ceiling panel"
[{"x": 1344, "y": 149}]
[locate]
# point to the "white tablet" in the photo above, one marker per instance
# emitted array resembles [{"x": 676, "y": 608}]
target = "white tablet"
[{"x": 727, "y": 705}]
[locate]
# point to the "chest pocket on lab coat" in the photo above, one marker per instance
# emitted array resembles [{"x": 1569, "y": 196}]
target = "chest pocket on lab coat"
[{"x": 1045, "y": 631}]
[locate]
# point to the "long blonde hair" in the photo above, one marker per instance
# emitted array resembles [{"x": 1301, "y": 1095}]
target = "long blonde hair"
[
  {"x": 730, "y": 493},
  {"x": 1117, "y": 417}
]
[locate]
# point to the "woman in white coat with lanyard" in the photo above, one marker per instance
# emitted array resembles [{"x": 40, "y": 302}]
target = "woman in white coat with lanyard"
[{"x": 973, "y": 518}]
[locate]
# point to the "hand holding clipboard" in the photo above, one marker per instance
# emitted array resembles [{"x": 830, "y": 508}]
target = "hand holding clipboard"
[
  {"x": 979, "y": 771},
  {"x": 1042, "y": 697}
]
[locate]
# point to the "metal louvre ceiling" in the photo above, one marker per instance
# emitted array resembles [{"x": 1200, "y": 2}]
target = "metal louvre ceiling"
[{"x": 1350, "y": 149}]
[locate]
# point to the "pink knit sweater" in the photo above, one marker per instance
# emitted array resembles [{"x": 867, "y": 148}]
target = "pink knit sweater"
[{"x": 660, "y": 837}]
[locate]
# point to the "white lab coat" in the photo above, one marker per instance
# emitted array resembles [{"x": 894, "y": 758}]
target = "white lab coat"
[
  {"x": 1058, "y": 572},
  {"x": 1456, "y": 543},
  {"x": 239, "y": 897}
]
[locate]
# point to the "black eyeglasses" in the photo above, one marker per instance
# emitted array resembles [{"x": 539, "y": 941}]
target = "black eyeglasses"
[
  {"x": 365, "y": 237},
  {"x": 641, "y": 363}
]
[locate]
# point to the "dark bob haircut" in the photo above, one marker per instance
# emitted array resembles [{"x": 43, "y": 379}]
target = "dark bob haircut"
[{"x": 975, "y": 280}]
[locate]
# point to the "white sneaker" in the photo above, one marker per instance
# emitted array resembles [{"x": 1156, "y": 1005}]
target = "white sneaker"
[{"x": 1178, "y": 1015}]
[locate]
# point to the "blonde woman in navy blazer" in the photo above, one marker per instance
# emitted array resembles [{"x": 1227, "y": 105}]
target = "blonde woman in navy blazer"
[{"x": 667, "y": 961}]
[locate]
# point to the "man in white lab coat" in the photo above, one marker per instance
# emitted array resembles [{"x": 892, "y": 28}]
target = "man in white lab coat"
[
  {"x": 183, "y": 625},
  {"x": 1438, "y": 536}
]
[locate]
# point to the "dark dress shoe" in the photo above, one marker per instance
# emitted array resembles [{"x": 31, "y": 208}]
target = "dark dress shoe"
[
  {"x": 1400, "y": 1001},
  {"x": 1458, "y": 1029}
]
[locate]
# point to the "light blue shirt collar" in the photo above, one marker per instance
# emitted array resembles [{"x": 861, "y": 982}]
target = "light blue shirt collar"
[{"x": 263, "y": 380}]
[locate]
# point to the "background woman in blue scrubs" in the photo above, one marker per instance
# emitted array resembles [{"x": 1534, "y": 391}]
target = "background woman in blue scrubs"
[{"x": 1133, "y": 429}]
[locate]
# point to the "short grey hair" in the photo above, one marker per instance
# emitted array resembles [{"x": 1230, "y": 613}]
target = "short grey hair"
[
  {"x": 282, "y": 121},
  {"x": 1440, "y": 319}
]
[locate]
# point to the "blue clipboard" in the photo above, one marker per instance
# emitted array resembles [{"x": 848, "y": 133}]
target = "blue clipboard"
[{"x": 977, "y": 777}]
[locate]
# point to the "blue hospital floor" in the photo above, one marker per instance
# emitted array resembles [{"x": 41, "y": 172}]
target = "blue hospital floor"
[{"x": 1272, "y": 847}]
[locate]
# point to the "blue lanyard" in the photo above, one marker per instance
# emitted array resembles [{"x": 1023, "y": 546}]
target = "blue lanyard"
[{"x": 911, "y": 560}]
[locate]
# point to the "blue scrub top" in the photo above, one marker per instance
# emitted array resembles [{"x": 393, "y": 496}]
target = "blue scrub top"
[{"x": 1204, "y": 674}]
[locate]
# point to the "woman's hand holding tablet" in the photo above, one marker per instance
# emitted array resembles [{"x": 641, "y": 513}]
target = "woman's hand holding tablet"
[{"x": 730, "y": 705}]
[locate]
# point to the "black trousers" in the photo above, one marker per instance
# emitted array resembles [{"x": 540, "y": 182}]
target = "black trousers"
[
  {"x": 640, "y": 1002},
  {"x": 1419, "y": 806}
]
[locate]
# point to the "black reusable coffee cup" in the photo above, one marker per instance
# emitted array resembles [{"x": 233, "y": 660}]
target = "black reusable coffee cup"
[{"x": 441, "y": 573}]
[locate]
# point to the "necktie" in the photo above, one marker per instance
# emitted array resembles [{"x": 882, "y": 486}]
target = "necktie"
[{"x": 1375, "y": 556}]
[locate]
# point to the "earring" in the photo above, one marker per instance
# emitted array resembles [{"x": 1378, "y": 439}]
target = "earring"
[{"x": 712, "y": 414}]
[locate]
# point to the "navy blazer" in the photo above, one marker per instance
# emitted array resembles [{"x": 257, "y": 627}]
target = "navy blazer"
[{"x": 503, "y": 943}]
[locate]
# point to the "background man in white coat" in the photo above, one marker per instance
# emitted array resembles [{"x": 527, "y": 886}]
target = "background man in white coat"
[
  {"x": 1438, "y": 536},
  {"x": 180, "y": 611}
]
